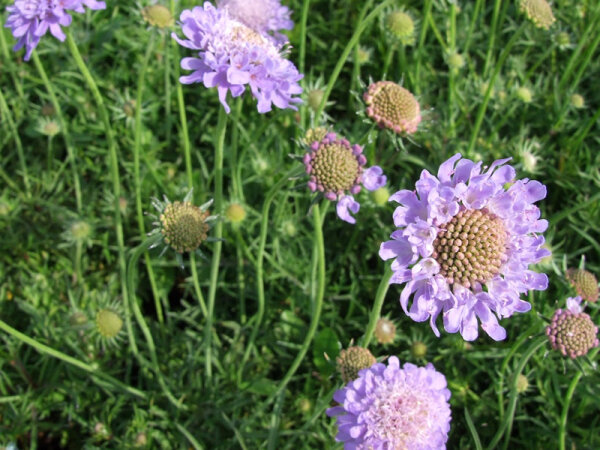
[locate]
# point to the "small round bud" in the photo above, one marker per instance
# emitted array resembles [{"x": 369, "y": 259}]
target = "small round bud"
[
  {"x": 235, "y": 213},
  {"x": 353, "y": 359},
  {"x": 141, "y": 440},
  {"x": 401, "y": 26},
  {"x": 573, "y": 334},
  {"x": 380, "y": 196},
  {"x": 585, "y": 284},
  {"x": 49, "y": 128},
  {"x": 289, "y": 228},
  {"x": 577, "y": 101},
  {"x": 129, "y": 108},
  {"x": 385, "y": 331},
  {"x": 184, "y": 226},
  {"x": 363, "y": 55},
  {"x": 393, "y": 107},
  {"x": 524, "y": 94},
  {"x": 455, "y": 61},
  {"x": 314, "y": 98},
  {"x": 418, "y": 349},
  {"x": 304, "y": 405},
  {"x": 78, "y": 318},
  {"x": 158, "y": 16},
  {"x": 108, "y": 323},
  {"x": 522, "y": 383},
  {"x": 80, "y": 230},
  {"x": 563, "y": 40},
  {"x": 539, "y": 12}
]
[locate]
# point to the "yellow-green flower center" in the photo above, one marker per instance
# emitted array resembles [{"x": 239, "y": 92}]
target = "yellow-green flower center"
[
  {"x": 184, "y": 226},
  {"x": 109, "y": 323},
  {"x": 335, "y": 167},
  {"x": 539, "y": 12},
  {"x": 401, "y": 26},
  {"x": 352, "y": 360},
  {"x": 471, "y": 247}
]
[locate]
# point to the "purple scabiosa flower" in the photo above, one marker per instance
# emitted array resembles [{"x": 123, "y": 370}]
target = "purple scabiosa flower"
[
  {"x": 29, "y": 20},
  {"x": 464, "y": 244},
  {"x": 231, "y": 55},
  {"x": 336, "y": 167},
  {"x": 392, "y": 107},
  {"x": 267, "y": 17},
  {"x": 389, "y": 407},
  {"x": 572, "y": 331}
]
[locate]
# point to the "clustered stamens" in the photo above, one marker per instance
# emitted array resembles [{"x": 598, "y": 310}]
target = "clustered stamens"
[
  {"x": 471, "y": 248},
  {"x": 334, "y": 166},
  {"x": 573, "y": 334},
  {"x": 393, "y": 107},
  {"x": 184, "y": 226},
  {"x": 353, "y": 359}
]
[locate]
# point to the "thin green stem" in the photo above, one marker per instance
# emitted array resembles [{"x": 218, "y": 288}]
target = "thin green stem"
[
  {"x": 13, "y": 128},
  {"x": 114, "y": 161},
  {"x": 344, "y": 56},
  {"x": 260, "y": 288},
  {"x": 513, "y": 396},
  {"x": 488, "y": 93},
  {"x": 6, "y": 56},
  {"x": 302, "y": 54},
  {"x": 137, "y": 143},
  {"x": 316, "y": 313},
  {"x": 384, "y": 285},
  {"x": 63, "y": 128},
  {"x": 488, "y": 57},
  {"x": 131, "y": 273},
  {"x": 196, "y": 285},
  {"x": 426, "y": 13},
  {"x": 562, "y": 426},
  {"x": 218, "y": 234},
  {"x": 44, "y": 349}
]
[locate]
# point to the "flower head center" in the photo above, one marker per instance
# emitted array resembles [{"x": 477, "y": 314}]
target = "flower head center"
[
  {"x": 572, "y": 334},
  {"x": 397, "y": 416},
  {"x": 393, "y": 107},
  {"x": 184, "y": 226},
  {"x": 335, "y": 166},
  {"x": 471, "y": 247}
]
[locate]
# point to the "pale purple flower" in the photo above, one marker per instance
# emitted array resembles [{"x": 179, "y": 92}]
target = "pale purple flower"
[
  {"x": 232, "y": 56},
  {"x": 393, "y": 407},
  {"x": 29, "y": 20},
  {"x": 335, "y": 168},
  {"x": 267, "y": 17},
  {"x": 464, "y": 244}
]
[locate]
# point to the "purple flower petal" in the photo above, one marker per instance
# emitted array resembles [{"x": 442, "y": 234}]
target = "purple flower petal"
[
  {"x": 344, "y": 206},
  {"x": 373, "y": 178}
]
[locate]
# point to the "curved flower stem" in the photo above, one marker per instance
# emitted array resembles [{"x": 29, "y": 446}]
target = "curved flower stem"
[
  {"x": 136, "y": 170},
  {"x": 562, "y": 426},
  {"x": 344, "y": 56},
  {"x": 513, "y": 396},
  {"x": 384, "y": 285},
  {"x": 302, "y": 53},
  {"x": 131, "y": 271},
  {"x": 318, "y": 300},
  {"x": 114, "y": 161},
  {"x": 216, "y": 256},
  {"x": 488, "y": 94},
  {"x": 63, "y": 128},
  {"x": 42, "y": 348},
  {"x": 13, "y": 128},
  {"x": 260, "y": 288}
]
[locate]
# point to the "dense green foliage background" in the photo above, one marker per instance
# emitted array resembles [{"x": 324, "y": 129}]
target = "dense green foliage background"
[{"x": 54, "y": 279}]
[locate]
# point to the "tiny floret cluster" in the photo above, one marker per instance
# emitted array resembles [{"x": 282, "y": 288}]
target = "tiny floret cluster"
[
  {"x": 232, "y": 55},
  {"x": 393, "y": 407},
  {"x": 267, "y": 17},
  {"x": 29, "y": 20},
  {"x": 352, "y": 360},
  {"x": 463, "y": 246},
  {"x": 401, "y": 26},
  {"x": 336, "y": 167},
  {"x": 572, "y": 331},
  {"x": 182, "y": 225},
  {"x": 539, "y": 12},
  {"x": 393, "y": 107},
  {"x": 585, "y": 284}
]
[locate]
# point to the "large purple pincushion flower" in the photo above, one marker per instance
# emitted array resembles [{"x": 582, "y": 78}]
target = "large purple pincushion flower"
[
  {"x": 393, "y": 407},
  {"x": 29, "y": 20},
  {"x": 336, "y": 167},
  {"x": 264, "y": 16},
  {"x": 232, "y": 55},
  {"x": 464, "y": 244}
]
